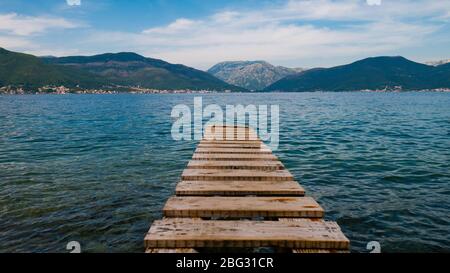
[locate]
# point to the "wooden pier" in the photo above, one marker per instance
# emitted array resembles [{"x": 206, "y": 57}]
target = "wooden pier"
[{"x": 235, "y": 193}]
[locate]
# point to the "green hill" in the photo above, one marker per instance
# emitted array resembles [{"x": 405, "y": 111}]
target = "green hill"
[
  {"x": 103, "y": 71},
  {"x": 132, "y": 69},
  {"x": 31, "y": 72},
  {"x": 371, "y": 73}
]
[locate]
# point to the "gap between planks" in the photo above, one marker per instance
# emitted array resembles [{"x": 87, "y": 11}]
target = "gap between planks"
[{"x": 230, "y": 164}]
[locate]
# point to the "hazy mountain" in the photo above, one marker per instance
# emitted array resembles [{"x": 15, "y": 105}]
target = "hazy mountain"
[
  {"x": 31, "y": 72},
  {"x": 252, "y": 75},
  {"x": 132, "y": 69},
  {"x": 437, "y": 63},
  {"x": 371, "y": 73}
]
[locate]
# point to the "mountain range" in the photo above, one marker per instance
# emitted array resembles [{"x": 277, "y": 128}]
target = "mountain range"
[
  {"x": 251, "y": 75},
  {"x": 131, "y": 69},
  {"x": 378, "y": 73},
  {"x": 127, "y": 71},
  {"x": 111, "y": 70}
]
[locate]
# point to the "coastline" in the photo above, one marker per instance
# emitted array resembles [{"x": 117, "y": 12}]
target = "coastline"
[
  {"x": 66, "y": 91},
  {"x": 62, "y": 90}
]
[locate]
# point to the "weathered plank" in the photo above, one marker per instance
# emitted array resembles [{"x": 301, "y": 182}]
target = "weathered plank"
[
  {"x": 249, "y": 175},
  {"x": 214, "y": 137},
  {"x": 219, "y": 206},
  {"x": 233, "y": 164},
  {"x": 188, "y": 233},
  {"x": 232, "y": 142},
  {"x": 228, "y": 133},
  {"x": 239, "y": 188},
  {"x": 232, "y": 151},
  {"x": 228, "y": 126},
  {"x": 234, "y": 157},
  {"x": 228, "y": 129},
  {"x": 234, "y": 145}
]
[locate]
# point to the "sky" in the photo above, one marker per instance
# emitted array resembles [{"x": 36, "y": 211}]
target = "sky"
[{"x": 201, "y": 33}]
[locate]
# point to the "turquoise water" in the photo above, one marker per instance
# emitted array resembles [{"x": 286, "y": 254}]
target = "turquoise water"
[{"x": 98, "y": 168}]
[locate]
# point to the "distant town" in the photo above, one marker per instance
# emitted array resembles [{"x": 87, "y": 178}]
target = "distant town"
[{"x": 62, "y": 90}]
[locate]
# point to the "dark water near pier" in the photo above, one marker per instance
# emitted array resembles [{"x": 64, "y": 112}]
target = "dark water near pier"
[{"x": 98, "y": 168}]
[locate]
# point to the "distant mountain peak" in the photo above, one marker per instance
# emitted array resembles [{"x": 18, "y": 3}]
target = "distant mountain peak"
[
  {"x": 243, "y": 62},
  {"x": 384, "y": 59},
  {"x": 252, "y": 75},
  {"x": 125, "y": 56}
]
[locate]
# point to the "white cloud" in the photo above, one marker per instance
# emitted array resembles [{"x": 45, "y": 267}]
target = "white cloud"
[
  {"x": 175, "y": 27},
  {"x": 7, "y": 41},
  {"x": 374, "y": 2},
  {"x": 282, "y": 43},
  {"x": 289, "y": 32},
  {"x": 226, "y": 16},
  {"x": 13, "y": 23},
  {"x": 73, "y": 2},
  {"x": 320, "y": 31}
]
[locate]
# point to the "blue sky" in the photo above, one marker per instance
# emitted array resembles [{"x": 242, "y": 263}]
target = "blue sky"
[{"x": 200, "y": 33}]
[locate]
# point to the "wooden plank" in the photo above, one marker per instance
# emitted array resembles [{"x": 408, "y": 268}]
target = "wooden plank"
[
  {"x": 234, "y": 157},
  {"x": 230, "y": 132},
  {"x": 233, "y": 164},
  {"x": 185, "y": 232},
  {"x": 228, "y": 129},
  {"x": 255, "y": 142},
  {"x": 239, "y": 188},
  {"x": 170, "y": 250},
  {"x": 234, "y": 145},
  {"x": 232, "y": 151},
  {"x": 230, "y": 138},
  {"x": 219, "y": 206},
  {"x": 230, "y": 126},
  {"x": 253, "y": 175}
]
